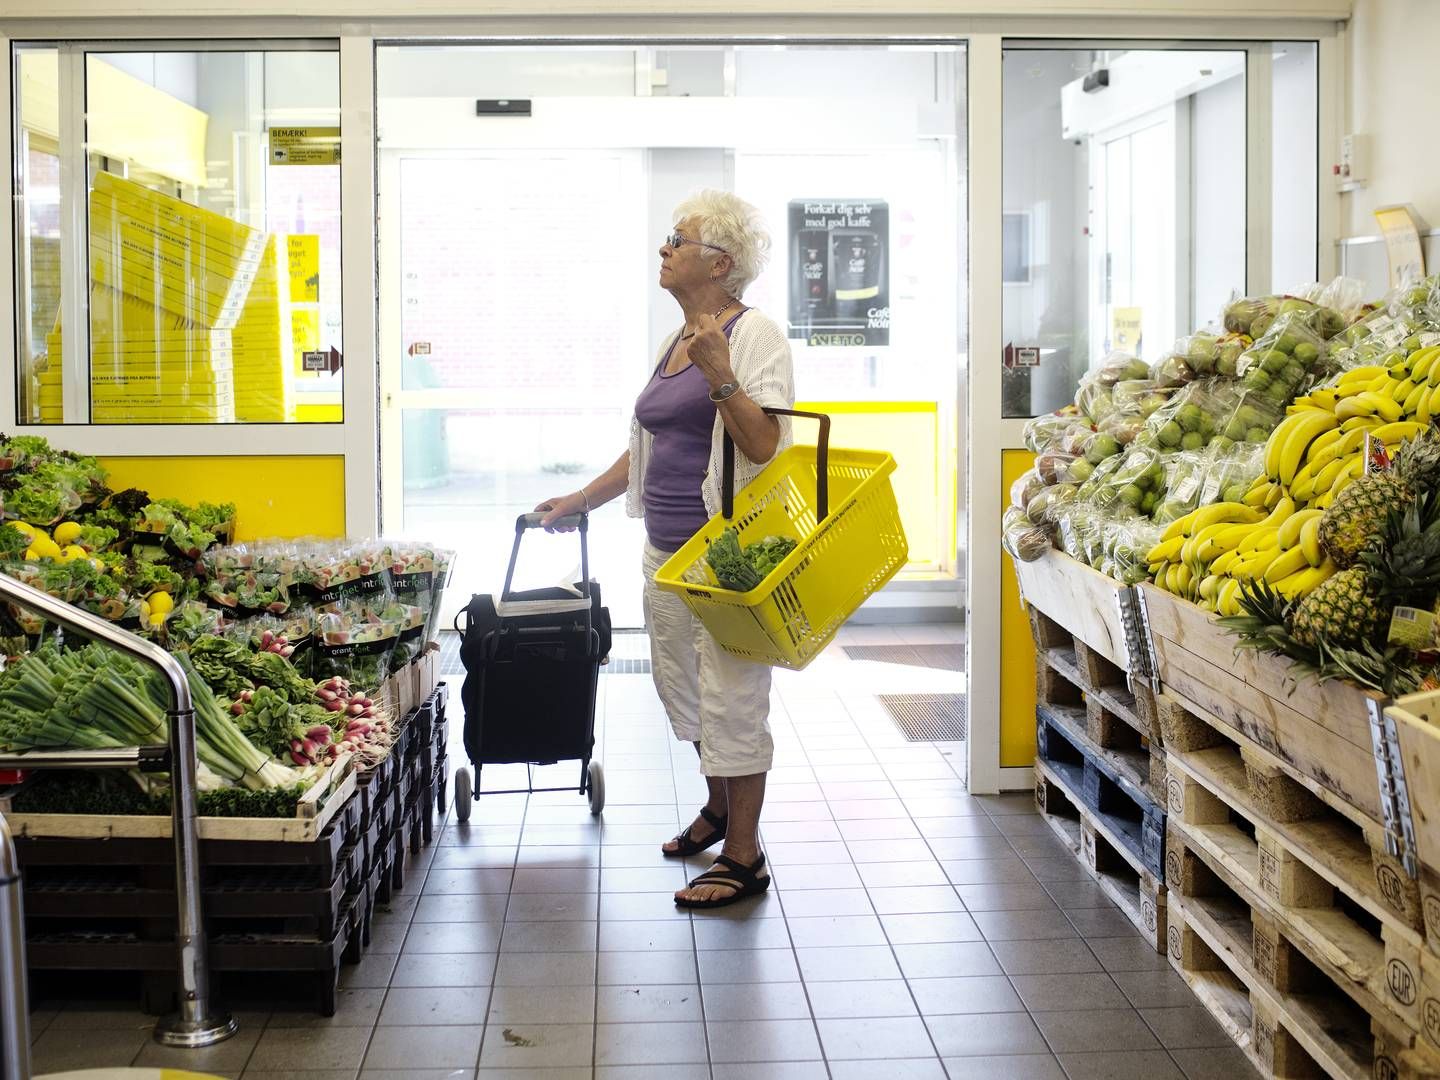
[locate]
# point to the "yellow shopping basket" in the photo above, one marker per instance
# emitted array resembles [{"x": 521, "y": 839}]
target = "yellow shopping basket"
[{"x": 840, "y": 509}]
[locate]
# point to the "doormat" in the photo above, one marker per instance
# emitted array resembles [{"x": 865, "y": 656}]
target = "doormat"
[
  {"x": 929, "y": 717},
  {"x": 942, "y": 657}
]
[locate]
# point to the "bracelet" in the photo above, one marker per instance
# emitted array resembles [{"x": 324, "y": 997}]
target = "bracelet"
[
  {"x": 587, "y": 500},
  {"x": 725, "y": 392}
]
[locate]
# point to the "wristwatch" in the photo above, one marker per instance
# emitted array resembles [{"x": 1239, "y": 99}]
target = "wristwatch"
[{"x": 724, "y": 392}]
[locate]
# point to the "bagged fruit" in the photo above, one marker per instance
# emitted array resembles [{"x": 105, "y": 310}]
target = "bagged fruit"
[
  {"x": 1275, "y": 368},
  {"x": 1025, "y": 488},
  {"x": 1053, "y": 465},
  {"x": 1184, "y": 480},
  {"x": 1136, "y": 484},
  {"x": 1130, "y": 541},
  {"x": 1022, "y": 538},
  {"x": 1189, "y": 421},
  {"x": 1044, "y": 508},
  {"x": 1228, "y": 474},
  {"x": 1053, "y": 431},
  {"x": 1118, "y": 367}
]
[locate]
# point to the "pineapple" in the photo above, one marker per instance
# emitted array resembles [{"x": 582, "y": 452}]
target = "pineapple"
[
  {"x": 1356, "y": 519},
  {"x": 1343, "y": 610}
]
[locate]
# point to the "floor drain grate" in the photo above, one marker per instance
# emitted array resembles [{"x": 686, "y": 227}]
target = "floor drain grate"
[
  {"x": 945, "y": 657},
  {"x": 929, "y": 717},
  {"x": 625, "y": 665}
]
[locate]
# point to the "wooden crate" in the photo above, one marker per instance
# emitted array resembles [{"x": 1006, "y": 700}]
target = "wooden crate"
[
  {"x": 1320, "y": 731},
  {"x": 1081, "y": 600},
  {"x": 1121, "y": 876},
  {"x": 331, "y": 791}
]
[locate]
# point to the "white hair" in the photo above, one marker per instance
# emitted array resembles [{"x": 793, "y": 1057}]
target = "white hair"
[{"x": 730, "y": 223}]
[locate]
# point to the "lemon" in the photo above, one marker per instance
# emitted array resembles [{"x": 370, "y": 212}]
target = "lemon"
[
  {"x": 27, "y": 529},
  {"x": 67, "y": 533},
  {"x": 161, "y": 603},
  {"x": 31, "y": 555},
  {"x": 73, "y": 552},
  {"x": 43, "y": 546}
]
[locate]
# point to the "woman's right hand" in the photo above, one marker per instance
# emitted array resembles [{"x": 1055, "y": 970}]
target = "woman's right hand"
[{"x": 559, "y": 507}]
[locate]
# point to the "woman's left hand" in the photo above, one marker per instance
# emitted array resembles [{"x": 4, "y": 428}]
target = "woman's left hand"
[{"x": 710, "y": 352}]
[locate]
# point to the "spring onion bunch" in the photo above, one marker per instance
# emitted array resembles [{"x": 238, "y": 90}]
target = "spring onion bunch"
[{"x": 95, "y": 698}]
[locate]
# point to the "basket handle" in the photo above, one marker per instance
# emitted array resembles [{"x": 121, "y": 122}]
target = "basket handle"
[{"x": 822, "y": 466}]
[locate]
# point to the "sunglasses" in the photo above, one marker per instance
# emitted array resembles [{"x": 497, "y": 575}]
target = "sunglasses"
[{"x": 678, "y": 240}]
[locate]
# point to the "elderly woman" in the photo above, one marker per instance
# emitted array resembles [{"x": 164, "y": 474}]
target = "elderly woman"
[{"x": 717, "y": 373}]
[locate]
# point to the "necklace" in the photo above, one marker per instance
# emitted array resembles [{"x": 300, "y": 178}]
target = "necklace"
[{"x": 728, "y": 304}]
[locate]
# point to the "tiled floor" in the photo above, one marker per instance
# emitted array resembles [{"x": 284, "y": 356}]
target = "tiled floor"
[{"x": 913, "y": 931}]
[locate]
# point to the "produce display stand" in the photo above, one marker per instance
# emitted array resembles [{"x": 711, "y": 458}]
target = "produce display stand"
[
  {"x": 1299, "y": 881},
  {"x": 295, "y": 895}
]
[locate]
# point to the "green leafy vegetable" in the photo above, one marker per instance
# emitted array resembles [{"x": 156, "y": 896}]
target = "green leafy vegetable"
[{"x": 743, "y": 570}]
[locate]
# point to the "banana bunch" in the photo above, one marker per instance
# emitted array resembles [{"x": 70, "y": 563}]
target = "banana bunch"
[
  {"x": 1208, "y": 554},
  {"x": 1272, "y": 533},
  {"x": 1320, "y": 446}
]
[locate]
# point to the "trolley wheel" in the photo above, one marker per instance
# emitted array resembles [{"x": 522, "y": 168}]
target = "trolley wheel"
[
  {"x": 596, "y": 777},
  {"x": 464, "y": 793}
]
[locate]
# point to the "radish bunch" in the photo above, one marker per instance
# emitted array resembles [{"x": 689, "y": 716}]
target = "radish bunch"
[
  {"x": 365, "y": 731},
  {"x": 276, "y": 643},
  {"x": 316, "y": 747}
]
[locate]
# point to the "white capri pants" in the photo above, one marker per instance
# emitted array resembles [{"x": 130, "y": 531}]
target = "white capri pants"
[{"x": 711, "y": 697}]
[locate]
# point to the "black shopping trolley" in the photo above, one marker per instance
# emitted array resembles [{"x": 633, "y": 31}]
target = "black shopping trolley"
[{"x": 532, "y": 670}]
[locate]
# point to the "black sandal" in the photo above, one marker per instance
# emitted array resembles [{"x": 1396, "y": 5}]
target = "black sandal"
[
  {"x": 686, "y": 846},
  {"x": 745, "y": 880}
]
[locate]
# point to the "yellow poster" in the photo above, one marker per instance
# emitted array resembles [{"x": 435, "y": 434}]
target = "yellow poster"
[
  {"x": 305, "y": 333},
  {"x": 305, "y": 146},
  {"x": 1402, "y": 243},
  {"x": 304, "y": 254},
  {"x": 1125, "y": 330}
]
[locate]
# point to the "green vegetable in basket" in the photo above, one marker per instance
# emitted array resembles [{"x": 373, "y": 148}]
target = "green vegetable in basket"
[
  {"x": 765, "y": 555},
  {"x": 732, "y": 569},
  {"x": 743, "y": 570}
]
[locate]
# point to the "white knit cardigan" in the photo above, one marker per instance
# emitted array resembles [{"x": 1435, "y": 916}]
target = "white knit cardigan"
[{"x": 760, "y": 356}]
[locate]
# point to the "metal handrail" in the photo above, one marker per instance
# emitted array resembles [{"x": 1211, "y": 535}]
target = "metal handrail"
[
  {"x": 197, "y": 1024},
  {"x": 14, "y": 1004}
]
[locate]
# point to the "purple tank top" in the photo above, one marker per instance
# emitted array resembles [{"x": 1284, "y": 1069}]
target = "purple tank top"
[{"x": 678, "y": 413}]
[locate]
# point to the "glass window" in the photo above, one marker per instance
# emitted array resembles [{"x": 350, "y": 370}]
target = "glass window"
[
  {"x": 211, "y": 235},
  {"x": 1133, "y": 227}
]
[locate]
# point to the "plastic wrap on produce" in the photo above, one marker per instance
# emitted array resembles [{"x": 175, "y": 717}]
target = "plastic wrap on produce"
[
  {"x": 1026, "y": 487},
  {"x": 1023, "y": 538},
  {"x": 1184, "y": 482},
  {"x": 1191, "y": 419},
  {"x": 1229, "y": 474},
  {"x": 1055, "y": 431},
  {"x": 1136, "y": 484}
]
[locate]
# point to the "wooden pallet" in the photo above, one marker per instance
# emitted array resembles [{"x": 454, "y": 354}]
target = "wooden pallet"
[
  {"x": 1321, "y": 731},
  {"x": 1113, "y": 785},
  {"x": 1289, "y": 1033},
  {"x": 1121, "y": 876},
  {"x": 1349, "y": 974},
  {"x": 1067, "y": 674},
  {"x": 1337, "y": 841}
]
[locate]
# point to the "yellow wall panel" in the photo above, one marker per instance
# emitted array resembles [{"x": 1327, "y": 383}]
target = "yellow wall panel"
[
  {"x": 910, "y": 432},
  {"x": 1017, "y": 647},
  {"x": 273, "y": 496}
]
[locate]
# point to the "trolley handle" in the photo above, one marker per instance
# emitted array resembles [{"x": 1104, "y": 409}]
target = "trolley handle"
[
  {"x": 822, "y": 466},
  {"x": 525, "y": 522}
]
